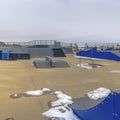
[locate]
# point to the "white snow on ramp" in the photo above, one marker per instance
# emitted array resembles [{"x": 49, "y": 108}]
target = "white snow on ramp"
[
  {"x": 63, "y": 99},
  {"x": 61, "y": 113},
  {"x": 98, "y": 93}
]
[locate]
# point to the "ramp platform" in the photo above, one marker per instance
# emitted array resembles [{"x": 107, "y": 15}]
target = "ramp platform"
[
  {"x": 102, "y": 109},
  {"x": 50, "y": 63}
]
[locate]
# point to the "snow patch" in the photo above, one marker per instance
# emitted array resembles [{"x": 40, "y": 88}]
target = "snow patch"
[
  {"x": 15, "y": 95},
  {"x": 34, "y": 93},
  {"x": 61, "y": 102},
  {"x": 61, "y": 113},
  {"x": 88, "y": 66},
  {"x": 38, "y": 92},
  {"x": 46, "y": 89},
  {"x": 58, "y": 92},
  {"x": 60, "y": 109},
  {"x": 98, "y": 93},
  {"x": 63, "y": 96},
  {"x": 78, "y": 65}
]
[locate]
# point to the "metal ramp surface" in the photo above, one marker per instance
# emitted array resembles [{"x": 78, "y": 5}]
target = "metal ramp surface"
[
  {"x": 46, "y": 64},
  {"x": 101, "y": 109}
]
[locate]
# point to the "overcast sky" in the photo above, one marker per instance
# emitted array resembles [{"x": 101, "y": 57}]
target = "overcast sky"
[{"x": 67, "y": 20}]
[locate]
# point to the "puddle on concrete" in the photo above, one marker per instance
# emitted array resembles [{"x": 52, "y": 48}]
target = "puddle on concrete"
[{"x": 15, "y": 96}]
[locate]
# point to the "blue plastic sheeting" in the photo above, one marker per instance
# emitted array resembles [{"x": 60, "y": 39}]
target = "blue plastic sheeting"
[
  {"x": 116, "y": 106},
  {"x": 94, "y": 54},
  {"x": 109, "y": 109},
  {"x": 5, "y": 56},
  {"x": 108, "y": 49},
  {"x": 92, "y": 50}
]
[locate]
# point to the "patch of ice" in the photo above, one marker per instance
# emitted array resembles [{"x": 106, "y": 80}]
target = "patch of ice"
[
  {"x": 115, "y": 71},
  {"x": 98, "y": 93}
]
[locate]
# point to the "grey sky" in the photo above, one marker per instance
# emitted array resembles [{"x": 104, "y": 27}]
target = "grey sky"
[{"x": 81, "y": 20}]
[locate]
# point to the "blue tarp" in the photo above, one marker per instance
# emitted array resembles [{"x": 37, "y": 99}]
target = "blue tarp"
[
  {"x": 95, "y": 54},
  {"x": 108, "y": 109},
  {"x": 108, "y": 49}
]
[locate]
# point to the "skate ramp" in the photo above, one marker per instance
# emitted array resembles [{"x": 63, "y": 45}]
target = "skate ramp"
[
  {"x": 58, "y": 52},
  {"x": 99, "y": 55},
  {"x": 102, "y": 109},
  {"x": 50, "y": 63},
  {"x": 67, "y": 50}
]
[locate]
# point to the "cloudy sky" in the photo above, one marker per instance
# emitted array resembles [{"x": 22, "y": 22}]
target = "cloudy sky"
[{"x": 66, "y": 20}]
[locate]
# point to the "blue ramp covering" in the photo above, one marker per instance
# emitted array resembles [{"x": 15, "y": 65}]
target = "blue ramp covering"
[
  {"x": 95, "y": 54},
  {"x": 107, "y": 109},
  {"x": 108, "y": 49},
  {"x": 116, "y": 106}
]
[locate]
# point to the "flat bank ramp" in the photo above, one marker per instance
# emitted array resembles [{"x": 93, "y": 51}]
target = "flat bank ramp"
[
  {"x": 46, "y": 64},
  {"x": 102, "y": 109}
]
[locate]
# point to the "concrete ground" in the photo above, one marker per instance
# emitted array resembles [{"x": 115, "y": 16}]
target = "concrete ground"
[{"x": 20, "y": 76}]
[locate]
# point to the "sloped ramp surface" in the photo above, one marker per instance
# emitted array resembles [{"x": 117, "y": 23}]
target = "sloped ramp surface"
[
  {"x": 67, "y": 50},
  {"x": 101, "y": 109},
  {"x": 58, "y": 52},
  {"x": 45, "y": 64}
]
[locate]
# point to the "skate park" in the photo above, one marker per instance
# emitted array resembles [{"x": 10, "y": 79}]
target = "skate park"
[{"x": 19, "y": 76}]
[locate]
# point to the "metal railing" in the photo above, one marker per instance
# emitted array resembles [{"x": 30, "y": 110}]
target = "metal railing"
[{"x": 51, "y": 43}]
